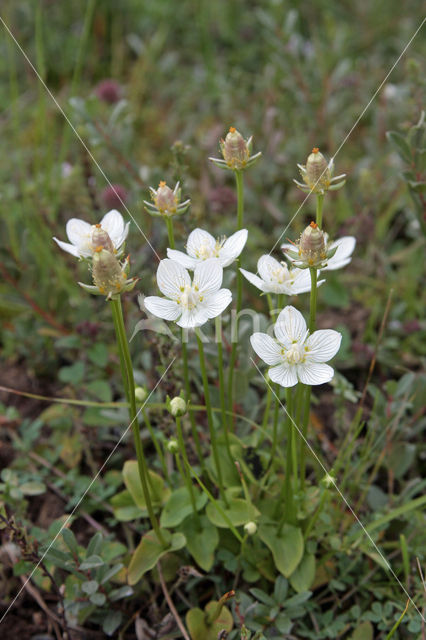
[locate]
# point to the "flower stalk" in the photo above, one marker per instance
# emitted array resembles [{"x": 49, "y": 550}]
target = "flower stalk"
[
  {"x": 129, "y": 384},
  {"x": 210, "y": 416}
]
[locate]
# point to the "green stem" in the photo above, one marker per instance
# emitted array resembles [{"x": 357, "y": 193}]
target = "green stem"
[
  {"x": 317, "y": 513},
  {"x": 194, "y": 431},
  {"x": 313, "y": 299},
  {"x": 306, "y": 397},
  {"x": 210, "y": 415},
  {"x": 170, "y": 233},
  {"x": 266, "y": 414},
  {"x": 157, "y": 445},
  {"x": 222, "y": 397},
  {"x": 240, "y": 198},
  {"x": 234, "y": 336},
  {"x": 186, "y": 475},
  {"x": 320, "y": 202},
  {"x": 288, "y": 513},
  {"x": 129, "y": 383}
]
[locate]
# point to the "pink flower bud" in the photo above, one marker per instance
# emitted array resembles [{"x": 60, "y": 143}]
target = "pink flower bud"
[
  {"x": 107, "y": 272},
  {"x": 114, "y": 196},
  {"x": 108, "y": 91},
  {"x": 165, "y": 199}
]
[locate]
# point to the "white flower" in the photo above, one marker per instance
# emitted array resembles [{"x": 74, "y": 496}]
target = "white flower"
[
  {"x": 202, "y": 245},
  {"x": 295, "y": 355},
  {"x": 276, "y": 277},
  {"x": 344, "y": 249},
  {"x": 189, "y": 304},
  {"x": 80, "y": 233}
]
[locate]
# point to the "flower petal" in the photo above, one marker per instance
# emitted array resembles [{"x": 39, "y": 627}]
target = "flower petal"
[
  {"x": 162, "y": 308},
  {"x": 69, "y": 248},
  {"x": 183, "y": 259},
  {"x": 254, "y": 279},
  {"x": 323, "y": 345},
  {"x": 266, "y": 265},
  {"x": 191, "y": 318},
  {"x": 172, "y": 278},
  {"x": 312, "y": 373},
  {"x": 197, "y": 239},
  {"x": 284, "y": 374},
  {"x": 232, "y": 247},
  {"x": 266, "y": 348},
  {"x": 208, "y": 276},
  {"x": 79, "y": 234},
  {"x": 290, "y": 326},
  {"x": 345, "y": 248},
  {"x": 215, "y": 303},
  {"x": 113, "y": 224}
]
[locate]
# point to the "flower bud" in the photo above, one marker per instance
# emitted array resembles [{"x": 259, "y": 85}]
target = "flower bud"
[
  {"x": 235, "y": 149},
  {"x": 312, "y": 247},
  {"x": 172, "y": 445},
  {"x": 317, "y": 169},
  {"x": 101, "y": 239},
  {"x": 165, "y": 199},
  {"x": 107, "y": 273},
  {"x": 250, "y": 528},
  {"x": 177, "y": 407},
  {"x": 140, "y": 394}
]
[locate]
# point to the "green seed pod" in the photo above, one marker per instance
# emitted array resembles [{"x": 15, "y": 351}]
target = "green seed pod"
[
  {"x": 107, "y": 273},
  {"x": 140, "y": 394},
  {"x": 312, "y": 247}
]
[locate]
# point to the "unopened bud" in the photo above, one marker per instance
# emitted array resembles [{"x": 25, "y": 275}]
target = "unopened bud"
[
  {"x": 172, "y": 445},
  {"x": 177, "y": 407},
  {"x": 235, "y": 149},
  {"x": 101, "y": 239},
  {"x": 165, "y": 199},
  {"x": 250, "y": 528},
  {"x": 312, "y": 248},
  {"x": 107, "y": 273},
  {"x": 317, "y": 168},
  {"x": 140, "y": 394}
]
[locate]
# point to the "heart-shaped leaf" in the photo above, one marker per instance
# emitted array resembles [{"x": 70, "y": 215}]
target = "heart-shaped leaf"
[
  {"x": 303, "y": 576},
  {"x": 238, "y": 512},
  {"x": 197, "y": 625},
  {"x": 287, "y": 548},
  {"x": 159, "y": 492},
  {"x": 150, "y": 550},
  {"x": 202, "y": 539},
  {"x": 179, "y": 505}
]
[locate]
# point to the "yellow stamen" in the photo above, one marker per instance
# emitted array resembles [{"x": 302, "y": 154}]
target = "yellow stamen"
[
  {"x": 162, "y": 184},
  {"x": 232, "y": 129},
  {"x": 315, "y": 150}
]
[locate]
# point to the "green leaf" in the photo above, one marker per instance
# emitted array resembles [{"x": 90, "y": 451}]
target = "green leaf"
[
  {"x": 303, "y": 576},
  {"x": 201, "y": 542},
  {"x": 90, "y": 587},
  {"x": 95, "y": 544},
  {"x": 98, "y": 599},
  {"x": 160, "y": 493},
  {"x": 123, "y": 592},
  {"x": 91, "y": 563},
  {"x": 179, "y": 506},
  {"x": 111, "y": 622},
  {"x": 287, "y": 548},
  {"x": 32, "y": 488},
  {"x": 400, "y": 144},
  {"x": 198, "y": 628},
  {"x": 70, "y": 541},
  {"x": 364, "y": 631},
  {"x": 98, "y": 354},
  {"x": 100, "y": 389},
  {"x": 73, "y": 374},
  {"x": 238, "y": 512},
  {"x": 150, "y": 550}
]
